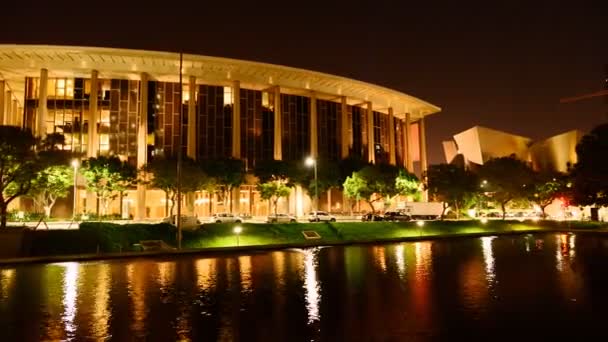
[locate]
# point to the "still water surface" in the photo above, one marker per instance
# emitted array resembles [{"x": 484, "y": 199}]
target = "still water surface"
[{"x": 526, "y": 287}]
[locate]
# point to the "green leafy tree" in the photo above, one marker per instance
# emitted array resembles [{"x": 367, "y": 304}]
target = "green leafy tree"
[
  {"x": 278, "y": 170},
  {"x": 50, "y": 184},
  {"x": 273, "y": 191},
  {"x": 19, "y": 164},
  {"x": 506, "y": 179},
  {"x": 590, "y": 173},
  {"x": 452, "y": 185},
  {"x": 549, "y": 186},
  {"x": 55, "y": 178},
  {"x": 107, "y": 178},
  {"x": 227, "y": 174},
  {"x": 373, "y": 183},
  {"x": 328, "y": 177},
  {"x": 163, "y": 176},
  {"x": 407, "y": 184}
]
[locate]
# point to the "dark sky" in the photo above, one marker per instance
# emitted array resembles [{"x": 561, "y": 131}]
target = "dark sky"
[{"x": 499, "y": 64}]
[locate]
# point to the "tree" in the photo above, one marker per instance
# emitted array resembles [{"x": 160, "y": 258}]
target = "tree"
[
  {"x": 590, "y": 173},
  {"x": 452, "y": 185},
  {"x": 377, "y": 179},
  {"x": 56, "y": 176},
  {"x": 407, "y": 184},
  {"x": 227, "y": 174},
  {"x": 164, "y": 177},
  {"x": 277, "y": 170},
  {"x": 107, "y": 177},
  {"x": 50, "y": 184},
  {"x": 548, "y": 186},
  {"x": 505, "y": 179},
  {"x": 18, "y": 165},
  {"x": 273, "y": 191},
  {"x": 328, "y": 177}
]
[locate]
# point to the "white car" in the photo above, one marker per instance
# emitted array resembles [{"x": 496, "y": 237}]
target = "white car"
[
  {"x": 225, "y": 218},
  {"x": 321, "y": 216},
  {"x": 280, "y": 218}
]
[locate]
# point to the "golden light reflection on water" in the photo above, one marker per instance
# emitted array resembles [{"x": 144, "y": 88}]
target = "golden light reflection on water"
[
  {"x": 6, "y": 282},
  {"x": 205, "y": 273},
  {"x": 136, "y": 287},
  {"x": 166, "y": 275},
  {"x": 488, "y": 257},
  {"x": 101, "y": 314},
  {"x": 379, "y": 257},
  {"x": 311, "y": 284},
  {"x": 245, "y": 273},
  {"x": 70, "y": 290},
  {"x": 423, "y": 258},
  {"x": 400, "y": 260},
  {"x": 278, "y": 266}
]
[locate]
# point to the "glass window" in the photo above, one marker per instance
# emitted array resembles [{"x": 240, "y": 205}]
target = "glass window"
[{"x": 228, "y": 95}]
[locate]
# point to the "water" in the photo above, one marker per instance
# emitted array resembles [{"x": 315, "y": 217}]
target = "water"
[{"x": 527, "y": 287}]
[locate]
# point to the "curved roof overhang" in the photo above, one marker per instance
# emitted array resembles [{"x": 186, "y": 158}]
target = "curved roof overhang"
[{"x": 20, "y": 61}]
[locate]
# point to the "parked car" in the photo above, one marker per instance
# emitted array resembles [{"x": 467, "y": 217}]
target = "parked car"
[
  {"x": 396, "y": 216},
  {"x": 225, "y": 218},
  {"x": 280, "y": 218},
  {"x": 371, "y": 217},
  {"x": 318, "y": 216},
  {"x": 187, "y": 221}
]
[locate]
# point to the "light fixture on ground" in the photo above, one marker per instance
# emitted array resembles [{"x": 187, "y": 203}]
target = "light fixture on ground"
[
  {"x": 237, "y": 230},
  {"x": 310, "y": 161}
]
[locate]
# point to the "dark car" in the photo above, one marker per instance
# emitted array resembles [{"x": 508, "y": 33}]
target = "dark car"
[
  {"x": 396, "y": 216},
  {"x": 371, "y": 217}
]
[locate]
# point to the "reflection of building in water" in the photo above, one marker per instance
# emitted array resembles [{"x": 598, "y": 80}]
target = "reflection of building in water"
[
  {"x": 569, "y": 280},
  {"x": 400, "y": 260},
  {"x": 278, "y": 266},
  {"x": 7, "y": 277},
  {"x": 311, "y": 284},
  {"x": 245, "y": 273},
  {"x": 70, "y": 295},
  {"x": 166, "y": 274},
  {"x": 101, "y": 314},
  {"x": 136, "y": 287},
  {"x": 421, "y": 298},
  {"x": 488, "y": 258},
  {"x": 380, "y": 257},
  {"x": 423, "y": 258},
  {"x": 205, "y": 271}
]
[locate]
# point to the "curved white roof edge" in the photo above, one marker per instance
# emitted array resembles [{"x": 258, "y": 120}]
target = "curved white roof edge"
[{"x": 18, "y": 61}]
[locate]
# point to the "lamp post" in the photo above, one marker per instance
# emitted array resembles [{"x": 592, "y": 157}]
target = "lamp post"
[
  {"x": 310, "y": 161},
  {"x": 237, "y": 230}
]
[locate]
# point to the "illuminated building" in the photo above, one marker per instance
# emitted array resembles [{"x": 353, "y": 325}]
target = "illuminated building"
[
  {"x": 477, "y": 145},
  {"x": 133, "y": 98}
]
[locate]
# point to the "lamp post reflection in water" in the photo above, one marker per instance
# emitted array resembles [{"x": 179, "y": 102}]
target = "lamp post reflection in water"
[
  {"x": 70, "y": 291},
  {"x": 488, "y": 257},
  {"x": 311, "y": 284}
]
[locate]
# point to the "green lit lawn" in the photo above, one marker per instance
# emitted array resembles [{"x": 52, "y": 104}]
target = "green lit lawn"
[{"x": 108, "y": 237}]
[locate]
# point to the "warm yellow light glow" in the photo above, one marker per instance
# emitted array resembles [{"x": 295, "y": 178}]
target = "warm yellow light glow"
[
  {"x": 70, "y": 291},
  {"x": 237, "y": 230},
  {"x": 484, "y": 220},
  {"x": 75, "y": 163},
  {"x": 310, "y": 161},
  {"x": 400, "y": 260},
  {"x": 420, "y": 223}
]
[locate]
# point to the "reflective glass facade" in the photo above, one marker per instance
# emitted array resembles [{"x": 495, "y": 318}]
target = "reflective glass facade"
[
  {"x": 329, "y": 122},
  {"x": 296, "y": 127},
  {"x": 257, "y": 127}
]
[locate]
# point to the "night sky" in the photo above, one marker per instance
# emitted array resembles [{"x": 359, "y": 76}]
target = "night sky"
[{"x": 504, "y": 66}]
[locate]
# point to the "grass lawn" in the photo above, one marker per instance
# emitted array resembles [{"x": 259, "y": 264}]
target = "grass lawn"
[{"x": 108, "y": 237}]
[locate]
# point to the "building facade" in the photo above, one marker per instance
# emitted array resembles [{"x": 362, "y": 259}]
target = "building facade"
[{"x": 127, "y": 103}]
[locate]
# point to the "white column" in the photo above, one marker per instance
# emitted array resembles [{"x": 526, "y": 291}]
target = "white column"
[
  {"x": 191, "y": 148},
  {"x": 8, "y": 103},
  {"x": 371, "y": 149},
  {"x": 278, "y": 144},
  {"x": 346, "y": 137},
  {"x": 391, "y": 137},
  {"x": 15, "y": 114},
  {"x": 409, "y": 164},
  {"x": 423, "y": 160},
  {"x": 314, "y": 126},
  {"x": 2, "y": 104},
  {"x": 42, "y": 97},
  {"x": 236, "y": 120},
  {"x": 93, "y": 143},
  {"x": 142, "y": 143}
]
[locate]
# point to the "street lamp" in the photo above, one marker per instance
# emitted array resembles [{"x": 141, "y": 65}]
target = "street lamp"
[
  {"x": 237, "y": 230},
  {"x": 310, "y": 161}
]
